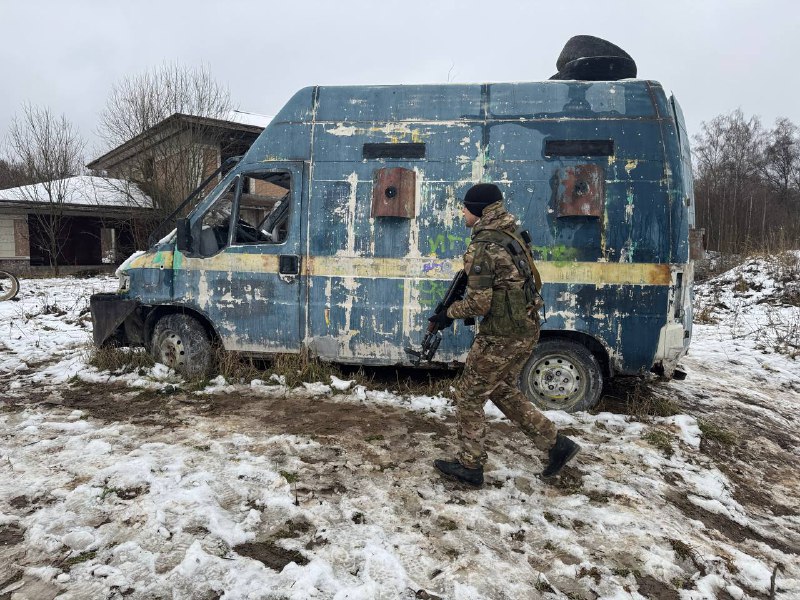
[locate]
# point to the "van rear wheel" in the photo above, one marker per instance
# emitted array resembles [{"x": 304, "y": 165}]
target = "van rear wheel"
[
  {"x": 562, "y": 375},
  {"x": 182, "y": 343}
]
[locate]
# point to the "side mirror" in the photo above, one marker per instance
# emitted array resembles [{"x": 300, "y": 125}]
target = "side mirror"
[{"x": 184, "y": 236}]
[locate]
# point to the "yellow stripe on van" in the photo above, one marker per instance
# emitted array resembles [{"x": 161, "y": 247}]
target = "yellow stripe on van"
[
  {"x": 605, "y": 273},
  {"x": 551, "y": 271},
  {"x": 396, "y": 268},
  {"x": 595, "y": 273},
  {"x": 152, "y": 260}
]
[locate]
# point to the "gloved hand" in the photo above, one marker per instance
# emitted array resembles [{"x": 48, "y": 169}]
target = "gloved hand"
[{"x": 441, "y": 320}]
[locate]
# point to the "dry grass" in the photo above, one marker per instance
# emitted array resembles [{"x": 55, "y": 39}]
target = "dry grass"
[
  {"x": 416, "y": 382},
  {"x": 294, "y": 369},
  {"x": 120, "y": 360},
  {"x": 636, "y": 397},
  {"x": 661, "y": 440},
  {"x": 302, "y": 367},
  {"x": 717, "y": 433},
  {"x": 236, "y": 368},
  {"x": 705, "y": 316},
  {"x": 741, "y": 286}
]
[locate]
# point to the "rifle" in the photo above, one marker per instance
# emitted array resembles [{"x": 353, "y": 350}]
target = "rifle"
[{"x": 433, "y": 336}]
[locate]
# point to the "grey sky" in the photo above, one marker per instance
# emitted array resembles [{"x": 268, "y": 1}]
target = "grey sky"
[{"x": 714, "y": 55}]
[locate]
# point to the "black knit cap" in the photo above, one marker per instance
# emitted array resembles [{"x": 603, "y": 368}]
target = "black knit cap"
[{"x": 480, "y": 196}]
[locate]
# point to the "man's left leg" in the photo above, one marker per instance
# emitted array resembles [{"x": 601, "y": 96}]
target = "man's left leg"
[
  {"x": 520, "y": 410},
  {"x": 471, "y": 392}
]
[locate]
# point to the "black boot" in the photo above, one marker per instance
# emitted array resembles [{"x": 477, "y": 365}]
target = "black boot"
[
  {"x": 455, "y": 470},
  {"x": 559, "y": 455}
]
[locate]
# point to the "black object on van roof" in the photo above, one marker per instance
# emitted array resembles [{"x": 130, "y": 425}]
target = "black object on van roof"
[{"x": 589, "y": 58}]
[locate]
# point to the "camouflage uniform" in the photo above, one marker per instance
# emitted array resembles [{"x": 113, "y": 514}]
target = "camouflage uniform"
[{"x": 499, "y": 352}]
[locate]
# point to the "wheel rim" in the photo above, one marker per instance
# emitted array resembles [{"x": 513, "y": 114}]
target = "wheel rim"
[
  {"x": 558, "y": 381},
  {"x": 172, "y": 351}
]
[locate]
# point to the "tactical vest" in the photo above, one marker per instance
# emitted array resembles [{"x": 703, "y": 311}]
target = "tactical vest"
[{"x": 513, "y": 311}]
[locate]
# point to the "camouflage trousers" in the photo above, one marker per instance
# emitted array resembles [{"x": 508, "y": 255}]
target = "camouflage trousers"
[{"x": 491, "y": 373}]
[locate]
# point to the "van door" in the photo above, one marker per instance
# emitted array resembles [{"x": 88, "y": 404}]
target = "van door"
[{"x": 244, "y": 272}]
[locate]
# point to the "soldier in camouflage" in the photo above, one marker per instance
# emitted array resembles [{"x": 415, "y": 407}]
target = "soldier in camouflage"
[{"x": 508, "y": 332}]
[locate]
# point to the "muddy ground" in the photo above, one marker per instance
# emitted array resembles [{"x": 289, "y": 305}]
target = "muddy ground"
[{"x": 360, "y": 446}]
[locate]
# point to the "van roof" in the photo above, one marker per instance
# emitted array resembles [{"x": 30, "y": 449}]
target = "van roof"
[{"x": 473, "y": 102}]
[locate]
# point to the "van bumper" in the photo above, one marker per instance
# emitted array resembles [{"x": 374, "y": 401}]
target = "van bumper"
[
  {"x": 671, "y": 348},
  {"x": 109, "y": 311}
]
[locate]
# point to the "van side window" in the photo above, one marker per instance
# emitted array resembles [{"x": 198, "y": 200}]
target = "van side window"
[
  {"x": 216, "y": 222},
  {"x": 579, "y": 148},
  {"x": 264, "y": 208}
]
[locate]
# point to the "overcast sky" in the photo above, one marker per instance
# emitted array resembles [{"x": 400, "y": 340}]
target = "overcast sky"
[{"x": 715, "y": 56}]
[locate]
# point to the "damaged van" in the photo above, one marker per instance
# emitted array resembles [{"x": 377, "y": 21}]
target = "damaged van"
[{"x": 340, "y": 228}]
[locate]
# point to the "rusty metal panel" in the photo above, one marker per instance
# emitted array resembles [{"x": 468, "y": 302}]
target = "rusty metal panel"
[
  {"x": 393, "y": 192},
  {"x": 582, "y": 191},
  {"x": 697, "y": 244}
]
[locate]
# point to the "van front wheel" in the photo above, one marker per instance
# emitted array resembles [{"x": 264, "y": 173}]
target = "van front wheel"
[
  {"x": 182, "y": 343},
  {"x": 562, "y": 375}
]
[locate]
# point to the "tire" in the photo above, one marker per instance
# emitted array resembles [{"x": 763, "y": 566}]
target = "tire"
[
  {"x": 562, "y": 375},
  {"x": 9, "y": 286},
  {"x": 182, "y": 343}
]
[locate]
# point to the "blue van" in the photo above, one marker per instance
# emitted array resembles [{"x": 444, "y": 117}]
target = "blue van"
[{"x": 340, "y": 229}]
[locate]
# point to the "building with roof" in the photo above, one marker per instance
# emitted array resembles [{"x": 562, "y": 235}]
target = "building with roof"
[
  {"x": 90, "y": 219},
  {"x": 104, "y": 217},
  {"x": 147, "y": 156}
]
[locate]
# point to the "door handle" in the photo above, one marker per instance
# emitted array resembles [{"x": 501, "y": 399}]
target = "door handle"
[{"x": 288, "y": 264}]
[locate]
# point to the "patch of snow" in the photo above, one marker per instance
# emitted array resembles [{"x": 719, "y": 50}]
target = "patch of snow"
[
  {"x": 341, "y": 384},
  {"x": 127, "y": 262},
  {"x": 687, "y": 428},
  {"x": 249, "y": 118},
  {"x": 317, "y": 388}
]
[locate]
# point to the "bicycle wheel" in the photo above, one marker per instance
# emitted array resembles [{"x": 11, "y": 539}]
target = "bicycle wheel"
[{"x": 9, "y": 285}]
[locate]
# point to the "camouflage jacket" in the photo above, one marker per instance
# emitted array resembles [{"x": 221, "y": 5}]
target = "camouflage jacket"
[{"x": 488, "y": 265}]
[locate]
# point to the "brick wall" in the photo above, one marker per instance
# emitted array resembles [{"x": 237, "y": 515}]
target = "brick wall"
[{"x": 22, "y": 240}]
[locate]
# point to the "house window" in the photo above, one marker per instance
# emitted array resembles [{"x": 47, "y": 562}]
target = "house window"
[
  {"x": 7, "y": 246},
  {"x": 148, "y": 168},
  {"x": 108, "y": 245}
]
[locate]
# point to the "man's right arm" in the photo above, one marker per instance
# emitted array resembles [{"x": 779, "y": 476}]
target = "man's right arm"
[{"x": 478, "y": 297}]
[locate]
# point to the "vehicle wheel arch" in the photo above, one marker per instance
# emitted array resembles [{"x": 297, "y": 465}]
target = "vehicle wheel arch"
[
  {"x": 597, "y": 347},
  {"x": 162, "y": 310}
]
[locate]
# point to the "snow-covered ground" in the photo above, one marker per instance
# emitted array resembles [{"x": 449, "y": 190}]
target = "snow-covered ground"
[{"x": 129, "y": 486}]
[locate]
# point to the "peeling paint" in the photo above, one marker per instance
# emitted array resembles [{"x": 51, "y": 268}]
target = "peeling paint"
[
  {"x": 629, "y": 206},
  {"x": 413, "y": 233},
  {"x": 350, "y": 221},
  {"x": 351, "y": 286},
  {"x": 395, "y": 131}
]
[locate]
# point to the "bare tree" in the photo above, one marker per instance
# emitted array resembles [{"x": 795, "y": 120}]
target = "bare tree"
[
  {"x": 745, "y": 180},
  {"x": 12, "y": 174},
  {"x": 782, "y": 159},
  {"x": 169, "y": 162},
  {"x": 50, "y": 150}
]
